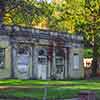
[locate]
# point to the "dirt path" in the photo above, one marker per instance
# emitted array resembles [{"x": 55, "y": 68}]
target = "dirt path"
[{"x": 15, "y": 87}]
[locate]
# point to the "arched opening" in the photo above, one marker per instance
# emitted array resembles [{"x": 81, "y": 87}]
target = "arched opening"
[
  {"x": 60, "y": 63},
  {"x": 22, "y": 61},
  {"x": 42, "y": 63}
]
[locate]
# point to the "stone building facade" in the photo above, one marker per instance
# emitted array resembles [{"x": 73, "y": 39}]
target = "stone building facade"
[{"x": 27, "y": 53}]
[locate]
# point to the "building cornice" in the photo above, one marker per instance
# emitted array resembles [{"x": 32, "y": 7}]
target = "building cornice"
[{"x": 39, "y": 34}]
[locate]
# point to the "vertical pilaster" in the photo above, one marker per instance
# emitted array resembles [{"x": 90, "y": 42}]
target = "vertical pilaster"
[
  {"x": 54, "y": 63},
  {"x": 33, "y": 66},
  {"x": 70, "y": 62},
  {"x": 35, "y": 61},
  {"x": 66, "y": 65},
  {"x": 30, "y": 62},
  {"x": 49, "y": 68},
  {"x": 13, "y": 61}
]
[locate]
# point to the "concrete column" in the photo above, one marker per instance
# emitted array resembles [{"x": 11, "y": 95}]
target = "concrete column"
[
  {"x": 30, "y": 63},
  {"x": 66, "y": 64},
  {"x": 13, "y": 61},
  {"x": 49, "y": 68},
  {"x": 54, "y": 63},
  {"x": 35, "y": 61},
  {"x": 70, "y": 62}
]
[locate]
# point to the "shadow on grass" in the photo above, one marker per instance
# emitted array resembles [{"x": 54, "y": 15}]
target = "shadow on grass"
[
  {"x": 30, "y": 89},
  {"x": 38, "y": 93}
]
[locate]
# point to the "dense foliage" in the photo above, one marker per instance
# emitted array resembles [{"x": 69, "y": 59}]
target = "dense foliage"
[{"x": 88, "y": 53}]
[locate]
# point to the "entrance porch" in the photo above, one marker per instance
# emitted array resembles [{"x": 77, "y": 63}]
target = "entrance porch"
[{"x": 36, "y": 62}]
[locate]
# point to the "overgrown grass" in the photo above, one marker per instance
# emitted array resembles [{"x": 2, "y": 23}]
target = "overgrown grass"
[{"x": 56, "y": 89}]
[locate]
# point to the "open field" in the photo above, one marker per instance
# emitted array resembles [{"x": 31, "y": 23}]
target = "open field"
[{"x": 56, "y": 89}]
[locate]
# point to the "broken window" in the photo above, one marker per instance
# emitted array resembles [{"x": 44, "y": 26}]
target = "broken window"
[
  {"x": 42, "y": 56},
  {"x": 59, "y": 60},
  {"x": 1, "y": 57},
  {"x": 76, "y": 61}
]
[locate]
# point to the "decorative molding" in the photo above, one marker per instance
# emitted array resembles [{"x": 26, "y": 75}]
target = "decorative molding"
[{"x": 18, "y": 31}]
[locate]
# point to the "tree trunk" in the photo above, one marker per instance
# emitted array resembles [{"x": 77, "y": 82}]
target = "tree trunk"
[{"x": 94, "y": 63}]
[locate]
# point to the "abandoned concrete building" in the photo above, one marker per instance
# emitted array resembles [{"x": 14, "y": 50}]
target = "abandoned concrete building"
[{"x": 30, "y": 53}]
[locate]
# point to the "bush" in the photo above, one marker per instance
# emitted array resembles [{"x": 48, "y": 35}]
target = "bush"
[{"x": 88, "y": 53}]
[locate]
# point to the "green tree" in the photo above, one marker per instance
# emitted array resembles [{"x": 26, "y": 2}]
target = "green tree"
[
  {"x": 91, "y": 28},
  {"x": 84, "y": 16},
  {"x": 81, "y": 15},
  {"x": 30, "y": 13}
]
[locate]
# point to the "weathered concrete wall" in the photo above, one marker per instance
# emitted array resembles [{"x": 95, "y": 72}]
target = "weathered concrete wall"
[
  {"x": 33, "y": 61},
  {"x": 6, "y": 71},
  {"x": 76, "y": 73},
  {"x": 18, "y": 73}
]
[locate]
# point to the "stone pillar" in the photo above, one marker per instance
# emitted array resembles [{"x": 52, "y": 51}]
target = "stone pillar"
[
  {"x": 13, "y": 60},
  {"x": 53, "y": 62},
  {"x": 33, "y": 66},
  {"x": 49, "y": 68},
  {"x": 35, "y": 61},
  {"x": 66, "y": 65},
  {"x": 30, "y": 63}
]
